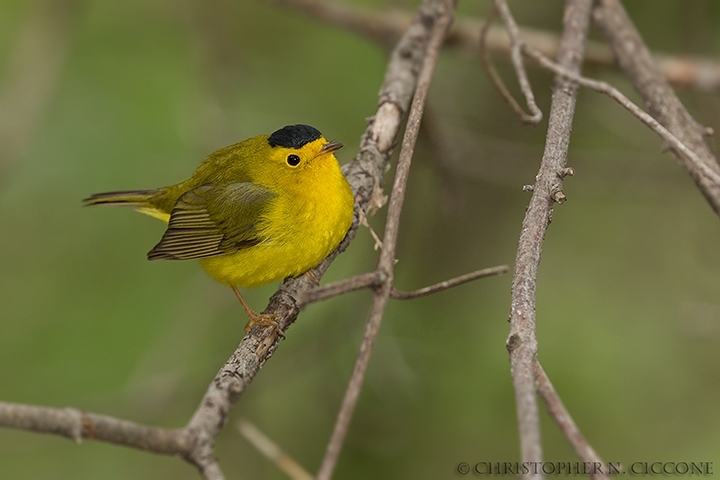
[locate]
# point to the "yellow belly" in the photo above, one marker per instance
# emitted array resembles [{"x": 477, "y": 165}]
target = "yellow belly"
[
  {"x": 300, "y": 231},
  {"x": 261, "y": 264}
]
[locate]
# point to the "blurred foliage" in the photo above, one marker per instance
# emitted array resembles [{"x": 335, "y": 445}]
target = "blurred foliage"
[{"x": 628, "y": 310}]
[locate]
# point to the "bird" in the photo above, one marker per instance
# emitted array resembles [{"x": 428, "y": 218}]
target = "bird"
[{"x": 270, "y": 207}]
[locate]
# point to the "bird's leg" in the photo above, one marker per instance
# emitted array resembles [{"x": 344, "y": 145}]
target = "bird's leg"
[{"x": 263, "y": 319}]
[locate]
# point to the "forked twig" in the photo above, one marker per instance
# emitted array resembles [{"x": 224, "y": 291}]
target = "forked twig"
[
  {"x": 696, "y": 163},
  {"x": 495, "y": 78},
  {"x": 635, "y": 59},
  {"x": 535, "y": 116}
]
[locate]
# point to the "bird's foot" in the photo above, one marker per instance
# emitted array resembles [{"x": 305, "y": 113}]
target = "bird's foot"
[{"x": 264, "y": 320}]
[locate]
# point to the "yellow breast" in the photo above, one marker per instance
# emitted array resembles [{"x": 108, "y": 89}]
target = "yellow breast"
[{"x": 306, "y": 221}]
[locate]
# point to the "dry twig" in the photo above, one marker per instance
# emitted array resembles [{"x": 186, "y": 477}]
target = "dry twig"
[
  {"x": 439, "y": 15},
  {"x": 78, "y": 425},
  {"x": 688, "y": 157},
  {"x": 635, "y": 59},
  {"x": 529, "y": 118},
  {"x": 522, "y": 342},
  {"x": 377, "y": 278},
  {"x": 535, "y": 115},
  {"x": 387, "y": 25},
  {"x": 453, "y": 282},
  {"x": 564, "y": 421}
]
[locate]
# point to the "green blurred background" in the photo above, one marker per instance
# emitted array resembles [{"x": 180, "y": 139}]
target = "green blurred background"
[{"x": 123, "y": 95}]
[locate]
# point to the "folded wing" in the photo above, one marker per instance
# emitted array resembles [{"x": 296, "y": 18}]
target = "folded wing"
[{"x": 214, "y": 220}]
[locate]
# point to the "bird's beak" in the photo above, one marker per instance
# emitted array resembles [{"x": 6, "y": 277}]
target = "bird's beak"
[{"x": 330, "y": 147}]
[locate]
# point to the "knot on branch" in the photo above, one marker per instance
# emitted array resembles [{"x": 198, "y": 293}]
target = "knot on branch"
[
  {"x": 513, "y": 342},
  {"x": 383, "y": 277},
  {"x": 558, "y": 196},
  {"x": 566, "y": 172},
  {"x": 556, "y": 192},
  {"x": 80, "y": 425}
]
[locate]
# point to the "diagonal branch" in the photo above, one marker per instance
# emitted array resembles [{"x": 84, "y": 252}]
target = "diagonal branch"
[
  {"x": 567, "y": 425},
  {"x": 495, "y": 78},
  {"x": 440, "y": 14},
  {"x": 692, "y": 159},
  {"x": 535, "y": 115},
  {"x": 522, "y": 341},
  {"x": 635, "y": 59}
]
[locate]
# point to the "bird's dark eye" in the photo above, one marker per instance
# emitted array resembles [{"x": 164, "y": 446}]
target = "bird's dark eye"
[{"x": 293, "y": 160}]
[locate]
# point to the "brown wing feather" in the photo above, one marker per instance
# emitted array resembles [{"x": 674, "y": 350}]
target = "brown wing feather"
[{"x": 213, "y": 220}]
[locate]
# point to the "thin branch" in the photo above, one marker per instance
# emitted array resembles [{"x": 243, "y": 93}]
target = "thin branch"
[
  {"x": 78, "y": 425},
  {"x": 364, "y": 222},
  {"x": 272, "y": 451},
  {"x": 439, "y": 15},
  {"x": 453, "y": 282},
  {"x": 522, "y": 342},
  {"x": 358, "y": 282},
  {"x": 497, "y": 80},
  {"x": 693, "y": 161},
  {"x": 387, "y": 25},
  {"x": 635, "y": 59},
  {"x": 377, "y": 278},
  {"x": 564, "y": 421},
  {"x": 535, "y": 115}
]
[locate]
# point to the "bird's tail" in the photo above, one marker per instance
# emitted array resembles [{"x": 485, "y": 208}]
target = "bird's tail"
[
  {"x": 144, "y": 201},
  {"x": 131, "y": 198}
]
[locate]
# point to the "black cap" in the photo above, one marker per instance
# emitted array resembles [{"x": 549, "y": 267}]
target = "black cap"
[{"x": 294, "y": 136}]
